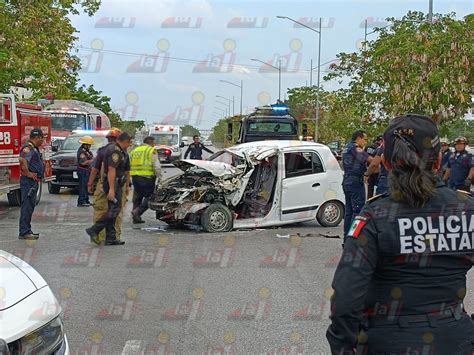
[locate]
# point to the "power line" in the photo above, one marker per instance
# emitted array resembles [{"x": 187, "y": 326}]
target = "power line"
[{"x": 187, "y": 60}]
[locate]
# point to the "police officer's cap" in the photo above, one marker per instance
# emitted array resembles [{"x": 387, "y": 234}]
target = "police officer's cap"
[
  {"x": 36, "y": 132},
  {"x": 419, "y": 133}
]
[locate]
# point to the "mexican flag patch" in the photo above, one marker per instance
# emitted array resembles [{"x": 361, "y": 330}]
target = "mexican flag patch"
[{"x": 356, "y": 227}]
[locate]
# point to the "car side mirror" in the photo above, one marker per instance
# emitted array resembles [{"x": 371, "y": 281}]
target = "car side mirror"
[
  {"x": 229, "y": 129},
  {"x": 181, "y": 145},
  {"x": 54, "y": 148}
]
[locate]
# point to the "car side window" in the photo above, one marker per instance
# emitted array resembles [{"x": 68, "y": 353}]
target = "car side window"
[{"x": 302, "y": 163}]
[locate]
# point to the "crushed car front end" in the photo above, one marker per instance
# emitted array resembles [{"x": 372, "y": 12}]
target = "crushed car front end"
[{"x": 203, "y": 184}]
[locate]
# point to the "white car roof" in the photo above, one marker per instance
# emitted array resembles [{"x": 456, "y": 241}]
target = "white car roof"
[{"x": 279, "y": 144}]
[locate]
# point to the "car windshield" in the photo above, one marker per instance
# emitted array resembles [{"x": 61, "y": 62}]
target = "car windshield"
[
  {"x": 270, "y": 127},
  {"x": 226, "y": 157},
  {"x": 68, "y": 121},
  {"x": 72, "y": 142},
  {"x": 165, "y": 139}
]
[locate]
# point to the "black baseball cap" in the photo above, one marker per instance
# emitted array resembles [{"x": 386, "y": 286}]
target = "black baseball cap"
[
  {"x": 36, "y": 132},
  {"x": 419, "y": 133}
]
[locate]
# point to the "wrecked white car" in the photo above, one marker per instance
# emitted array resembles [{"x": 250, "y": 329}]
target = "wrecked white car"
[{"x": 251, "y": 185}]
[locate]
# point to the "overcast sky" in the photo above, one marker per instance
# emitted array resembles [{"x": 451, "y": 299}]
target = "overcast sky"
[{"x": 162, "y": 60}]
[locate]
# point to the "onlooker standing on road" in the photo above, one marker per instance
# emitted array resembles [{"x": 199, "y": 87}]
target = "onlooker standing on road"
[
  {"x": 32, "y": 171},
  {"x": 460, "y": 171},
  {"x": 196, "y": 149},
  {"x": 354, "y": 160},
  {"x": 116, "y": 169},
  {"x": 401, "y": 280},
  {"x": 145, "y": 170},
  {"x": 84, "y": 161}
]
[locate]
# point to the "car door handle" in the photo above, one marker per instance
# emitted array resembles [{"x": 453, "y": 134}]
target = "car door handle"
[{"x": 316, "y": 184}]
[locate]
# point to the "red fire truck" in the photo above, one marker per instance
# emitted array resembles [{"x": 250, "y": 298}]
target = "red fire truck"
[
  {"x": 70, "y": 115},
  {"x": 16, "y": 122}
]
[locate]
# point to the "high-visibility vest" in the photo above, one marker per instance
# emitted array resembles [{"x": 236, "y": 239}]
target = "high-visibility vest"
[{"x": 141, "y": 161}]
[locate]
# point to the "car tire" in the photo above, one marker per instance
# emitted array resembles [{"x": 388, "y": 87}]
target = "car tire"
[
  {"x": 217, "y": 218},
  {"x": 330, "y": 214},
  {"x": 14, "y": 197},
  {"x": 53, "y": 189}
]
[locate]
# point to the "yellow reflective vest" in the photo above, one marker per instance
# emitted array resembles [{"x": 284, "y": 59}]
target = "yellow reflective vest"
[{"x": 141, "y": 161}]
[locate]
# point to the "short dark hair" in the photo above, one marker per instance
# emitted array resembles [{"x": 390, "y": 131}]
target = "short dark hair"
[
  {"x": 149, "y": 140},
  {"x": 195, "y": 136},
  {"x": 124, "y": 136},
  {"x": 359, "y": 133}
]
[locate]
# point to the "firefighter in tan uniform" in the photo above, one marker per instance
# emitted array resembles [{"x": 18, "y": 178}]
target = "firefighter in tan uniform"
[{"x": 100, "y": 197}]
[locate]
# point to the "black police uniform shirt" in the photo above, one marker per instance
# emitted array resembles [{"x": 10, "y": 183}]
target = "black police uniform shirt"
[
  {"x": 33, "y": 156},
  {"x": 116, "y": 157},
  {"x": 99, "y": 156},
  {"x": 371, "y": 149},
  {"x": 383, "y": 171},
  {"x": 460, "y": 163},
  {"x": 84, "y": 155},
  {"x": 354, "y": 160},
  {"x": 196, "y": 150},
  {"x": 400, "y": 260}
]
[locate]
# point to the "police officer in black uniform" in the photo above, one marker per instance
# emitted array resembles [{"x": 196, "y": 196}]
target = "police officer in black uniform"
[
  {"x": 354, "y": 160},
  {"x": 382, "y": 176},
  {"x": 116, "y": 165},
  {"x": 400, "y": 283},
  {"x": 84, "y": 160},
  {"x": 460, "y": 170},
  {"x": 196, "y": 149},
  {"x": 372, "y": 178},
  {"x": 32, "y": 171}
]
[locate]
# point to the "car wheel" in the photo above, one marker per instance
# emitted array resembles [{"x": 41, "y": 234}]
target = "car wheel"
[
  {"x": 217, "y": 218},
  {"x": 53, "y": 189},
  {"x": 330, "y": 214}
]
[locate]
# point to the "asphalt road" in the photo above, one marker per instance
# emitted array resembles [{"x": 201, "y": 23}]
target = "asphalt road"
[{"x": 181, "y": 291}]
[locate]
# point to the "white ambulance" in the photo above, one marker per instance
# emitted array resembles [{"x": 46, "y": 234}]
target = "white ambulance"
[{"x": 168, "y": 141}]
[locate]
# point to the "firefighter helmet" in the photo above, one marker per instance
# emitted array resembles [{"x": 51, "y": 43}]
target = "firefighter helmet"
[
  {"x": 113, "y": 133},
  {"x": 461, "y": 139},
  {"x": 86, "y": 140}
]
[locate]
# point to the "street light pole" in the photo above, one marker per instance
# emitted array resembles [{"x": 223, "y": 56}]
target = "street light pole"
[
  {"x": 241, "y": 86},
  {"x": 228, "y": 100},
  {"x": 316, "y": 123},
  {"x": 279, "y": 73},
  {"x": 430, "y": 12}
]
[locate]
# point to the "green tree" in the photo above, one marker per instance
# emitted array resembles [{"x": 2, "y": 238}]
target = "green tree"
[
  {"x": 413, "y": 66},
  {"x": 36, "y": 43},
  {"x": 189, "y": 131}
]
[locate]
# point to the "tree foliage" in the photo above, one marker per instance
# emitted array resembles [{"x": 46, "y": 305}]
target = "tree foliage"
[
  {"x": 189, "y": 131},
  {"x": 339, "y": 116},
  {"x": 413, "y": 66},
  {"x": 36, "y": 43}
]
